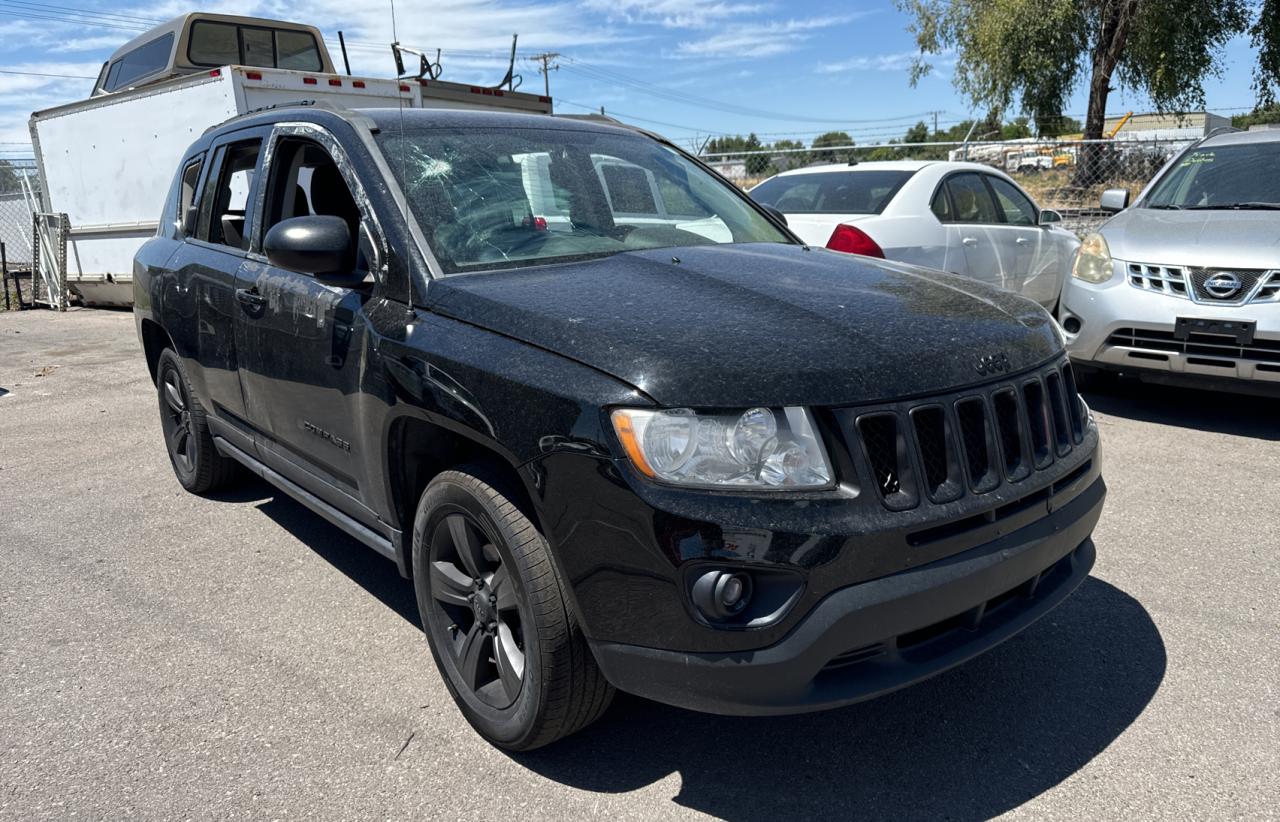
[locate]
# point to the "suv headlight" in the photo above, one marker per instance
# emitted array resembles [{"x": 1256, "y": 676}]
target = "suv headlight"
[
  {"x": 759, "y": 448},
  {"x": 1093, "y": 260}
]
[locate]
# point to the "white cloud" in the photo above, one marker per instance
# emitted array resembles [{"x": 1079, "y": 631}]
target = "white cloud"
[
  {"x": 674, "y": 14},
  {"x": 896, "y": 61},
  {"x": 761, "y": 39}
]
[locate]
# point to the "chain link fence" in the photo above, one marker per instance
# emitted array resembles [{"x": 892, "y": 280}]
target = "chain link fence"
[
  {"x": 19, "y": 194},
  {"x": 1067, "y": 176}
]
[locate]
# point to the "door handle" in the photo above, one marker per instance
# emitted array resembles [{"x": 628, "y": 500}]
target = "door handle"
[
  {"x": 969, "y": 240},
  {"x": 1022, "y": 241},
  {"x": 250, "y": 297}
]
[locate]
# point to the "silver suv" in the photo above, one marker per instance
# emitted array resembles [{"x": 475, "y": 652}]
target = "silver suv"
[{"x": 1184, "y": 285}]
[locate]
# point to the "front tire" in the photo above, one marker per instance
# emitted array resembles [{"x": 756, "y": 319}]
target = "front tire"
[
  {"x": 497, "y": 616},
  {"x": 195, "y": 459}
]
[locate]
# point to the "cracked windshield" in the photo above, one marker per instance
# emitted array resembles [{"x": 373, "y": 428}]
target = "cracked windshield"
[{"x": 488, "y": 199}]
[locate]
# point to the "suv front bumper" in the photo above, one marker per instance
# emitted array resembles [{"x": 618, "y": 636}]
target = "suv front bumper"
[
  {"x": 880, "y": 635},
  {"x": 1132, "y": 329}
]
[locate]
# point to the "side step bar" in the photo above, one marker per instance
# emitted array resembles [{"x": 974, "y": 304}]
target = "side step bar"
[{"x": 378, "y": 542}]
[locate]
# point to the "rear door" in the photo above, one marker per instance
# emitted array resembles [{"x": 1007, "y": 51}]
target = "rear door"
[
  {"x": 205, "y": 267},
  {"x": 300, "y": 341},
  {"x": 971, "y": 216}
]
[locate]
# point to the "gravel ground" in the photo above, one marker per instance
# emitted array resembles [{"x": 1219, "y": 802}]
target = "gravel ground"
[{"x": 168, "y": 656}]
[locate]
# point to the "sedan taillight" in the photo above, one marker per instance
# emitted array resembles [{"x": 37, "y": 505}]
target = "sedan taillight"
[{"x": 852, "y": 240}]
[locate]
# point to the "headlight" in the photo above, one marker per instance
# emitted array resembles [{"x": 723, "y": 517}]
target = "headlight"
[
  {"x": 1093, "y": 260},
  {"x": 760, "y": 448}
]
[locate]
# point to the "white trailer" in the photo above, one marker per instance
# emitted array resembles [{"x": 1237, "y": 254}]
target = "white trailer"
[{"x": 107, "y": 161}]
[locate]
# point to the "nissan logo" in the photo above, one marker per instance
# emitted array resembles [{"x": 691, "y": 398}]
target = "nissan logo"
[{"x": 1223, "y": 285}]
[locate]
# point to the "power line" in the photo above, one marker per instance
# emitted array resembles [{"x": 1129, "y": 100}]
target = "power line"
[
  {"x": 30, "y": 16},
  {"x": 44, "y": 74},
  {"x": 150, "y": 21}
]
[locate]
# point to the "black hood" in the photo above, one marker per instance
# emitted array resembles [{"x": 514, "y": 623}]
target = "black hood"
[{"x": 741, "y": 325}]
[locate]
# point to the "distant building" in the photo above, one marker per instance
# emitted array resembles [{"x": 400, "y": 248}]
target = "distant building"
[
  {"x": 1155, "y": 126},
  {"x": 730, "y": 169}
]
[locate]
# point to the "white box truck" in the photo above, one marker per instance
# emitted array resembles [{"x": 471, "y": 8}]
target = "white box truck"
[{"x": 107, "y": 161}]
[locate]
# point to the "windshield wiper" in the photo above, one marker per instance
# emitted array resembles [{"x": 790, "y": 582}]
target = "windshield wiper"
[
  {"x": 1169, "y": 206},
  {"x": 1254, "y": 206}
]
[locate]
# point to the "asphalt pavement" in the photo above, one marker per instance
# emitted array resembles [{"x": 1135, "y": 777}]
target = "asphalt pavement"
[{"x": 167, "y": 656}]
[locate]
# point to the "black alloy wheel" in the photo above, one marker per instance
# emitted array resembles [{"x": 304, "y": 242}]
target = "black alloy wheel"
[
  {"x": 195, "y": 459},
  {"x": 476, "y": 614}
]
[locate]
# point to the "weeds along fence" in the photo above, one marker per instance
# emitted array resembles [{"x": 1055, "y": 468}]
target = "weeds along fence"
[{"x": 1067, "y": 176}]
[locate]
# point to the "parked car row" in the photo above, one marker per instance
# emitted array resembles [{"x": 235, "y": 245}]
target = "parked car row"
[{"x": 1182, "y": 286}]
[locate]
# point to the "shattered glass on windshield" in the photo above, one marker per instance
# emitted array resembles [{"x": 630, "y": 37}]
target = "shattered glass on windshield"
[{"x": 502, "y": 198}]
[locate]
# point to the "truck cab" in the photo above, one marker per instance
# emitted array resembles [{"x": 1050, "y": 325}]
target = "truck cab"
[{"x": 199, "y": 42}]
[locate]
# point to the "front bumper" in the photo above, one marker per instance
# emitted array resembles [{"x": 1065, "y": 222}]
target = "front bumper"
[
  {"x": 1130, "y": 329},
  {"x": 877, "y": 636}
]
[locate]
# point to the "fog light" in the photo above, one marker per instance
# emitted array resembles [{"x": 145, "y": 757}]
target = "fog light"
[
  {"x": 722, "y": 594},
  {"x": 1072, "y": 325}
]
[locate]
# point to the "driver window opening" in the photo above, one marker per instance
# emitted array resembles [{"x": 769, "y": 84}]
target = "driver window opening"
[{"x": 307, "y": 182}]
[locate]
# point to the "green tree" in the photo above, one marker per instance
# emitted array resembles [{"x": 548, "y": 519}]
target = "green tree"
[
  {"x": 1261, "y": 115},
  {"x": 757, "y": 164},
  {"x": 831, "y": 138},
  {"x": 8, "y": 178},
  {"x": 919, "y": 133},
  {"x": 1037, "y": 52}
]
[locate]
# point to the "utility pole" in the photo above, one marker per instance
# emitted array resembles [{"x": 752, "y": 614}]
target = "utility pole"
[{"x": 547, "y": 67}]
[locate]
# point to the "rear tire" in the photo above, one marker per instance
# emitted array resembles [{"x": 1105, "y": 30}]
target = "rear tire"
[
  {"x": 497, "y": 616},
  {"x": 195, "y": 459}
]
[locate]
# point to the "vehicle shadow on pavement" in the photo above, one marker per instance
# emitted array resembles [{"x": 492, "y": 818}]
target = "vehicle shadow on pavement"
[
  {"x": 376, "y": 574},
  {"x": 970, "y": 744},
  {"x": 1236, "y": 414}
]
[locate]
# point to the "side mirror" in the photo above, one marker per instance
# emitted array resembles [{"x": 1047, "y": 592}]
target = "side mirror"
[
  {"x": 1115, "y": 199},
  {"x": 778, "y": 215},
  {"x": 1049, "y": 217},
  {"x": 319, "y": 246}
]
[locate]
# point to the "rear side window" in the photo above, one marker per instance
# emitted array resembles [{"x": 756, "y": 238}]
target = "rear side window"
[
  {"x": 143, "y": 61},
  {"x": 971, "y": 200},
  {"x": 187, "y": 195},
  {"x": 865, "y": 191},
  {"x": 221, "y": 44}
]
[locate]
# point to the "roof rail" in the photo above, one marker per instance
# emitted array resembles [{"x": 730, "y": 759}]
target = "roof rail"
[{"x": 320, "y": 104}]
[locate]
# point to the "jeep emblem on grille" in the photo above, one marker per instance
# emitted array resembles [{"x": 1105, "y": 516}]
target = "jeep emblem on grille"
[
  {"x": 992, "y": 363},
  {"x": 1223, "y": 285}
]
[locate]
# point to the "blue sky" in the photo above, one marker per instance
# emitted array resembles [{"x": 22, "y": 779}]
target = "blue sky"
[{"x": 682, "y": 67}]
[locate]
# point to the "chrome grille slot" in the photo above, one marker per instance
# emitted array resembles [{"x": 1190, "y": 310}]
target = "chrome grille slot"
[
  {"x": 1165, "y": 279},
  {"x": 1189, "y": 283},
  {"x": 1197, "y": 344}
]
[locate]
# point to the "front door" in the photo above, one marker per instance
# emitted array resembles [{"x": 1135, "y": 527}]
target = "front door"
[{"x": 302, "y": 342}]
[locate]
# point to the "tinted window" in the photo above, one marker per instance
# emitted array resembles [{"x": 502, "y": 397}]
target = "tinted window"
[
  {"x": 1213, "y": 177},
  {"x": 865, "y": 191},
  {"x": 230, "y": 199},
  {"x": 142, "y": 62},
  {"x": 297, "y": 50},
  {"x": 628, "y": 189},
  {"x": 306, "y": 181},
  {"x": 503, "y": 198},
  {"x": 970, "y": 200},
  {"x": 187, "y": 195},
  {"x": 257, "y": 47},
  {"x": 1017, "y": 209},
  {"x": 941, "y": 205},
  {"x": 213, "y": 44},
  {"x": 221, "y": 44}
]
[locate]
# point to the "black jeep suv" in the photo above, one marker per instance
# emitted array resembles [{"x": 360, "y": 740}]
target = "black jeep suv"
[{"x": 620, "y": 428}]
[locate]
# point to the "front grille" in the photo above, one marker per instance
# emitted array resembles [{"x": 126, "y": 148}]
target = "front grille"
[
  {"x": 1197, "y": 345},
  {"x": 973, "y": 441},
  {"x": 1191, "y": 283}
]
